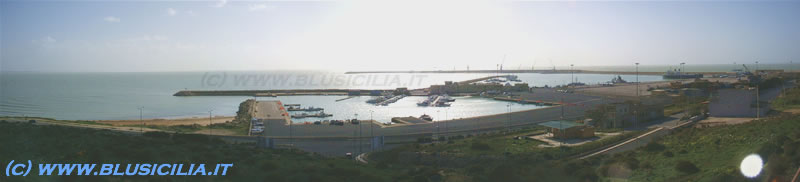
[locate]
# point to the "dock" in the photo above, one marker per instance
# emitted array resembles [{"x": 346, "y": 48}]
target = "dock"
[
  {"x": 435, "y": 101},
  {"x": 391, "y": 100},
  {"x": 537, "y": 102},
  {"x": 348, "y": 97},
  {"x": 480, "y": 79}
]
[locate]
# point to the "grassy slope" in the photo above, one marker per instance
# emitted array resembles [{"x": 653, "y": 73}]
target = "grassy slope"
[
  {"x": 718, "y": 151},
  {"x": 21, "y": 141},
  {"x": 494, "y": 157}
]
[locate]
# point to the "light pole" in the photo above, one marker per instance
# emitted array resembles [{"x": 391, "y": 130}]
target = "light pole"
[
  {"x": 371, "y": 130},
  {"x": 637, "y": 81},
  {"x": 141, "y": 128},
  {"x": 758, "y": 100},
  {"x": 360, "y": 149},
  {"x": 757, "y": 73},
  {"x": 572, "y": 74},
  {"x": 210, "y": 129},
  {"x": 508, "y": 117},
  {"x": 446, "y": 129},
  {"x": 682, "y": 70},
  {"x": 638, "y": 98},
  {"x": 437, "y": 124}
]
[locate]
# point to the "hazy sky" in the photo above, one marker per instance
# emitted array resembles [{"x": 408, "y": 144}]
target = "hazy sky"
[{"x": 368, "y": 35}]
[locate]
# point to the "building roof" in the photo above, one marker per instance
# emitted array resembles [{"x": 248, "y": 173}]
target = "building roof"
[{"x": 560, "y": 124}]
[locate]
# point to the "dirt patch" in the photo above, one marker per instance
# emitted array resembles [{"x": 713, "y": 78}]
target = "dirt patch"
[
  {"x": 170, "y": 122},
  {"x": 793, "y": 111},
  {"x": 216, "y": 132},
  {"x": 717, "y": 121}
]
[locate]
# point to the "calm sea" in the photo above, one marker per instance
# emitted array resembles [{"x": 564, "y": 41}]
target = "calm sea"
[{"x": 101, "y": 96}]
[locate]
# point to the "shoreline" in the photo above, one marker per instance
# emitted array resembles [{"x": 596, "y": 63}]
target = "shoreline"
[
  {"x": 189, "y": 120},
  {"x": 535, "y": 71}
]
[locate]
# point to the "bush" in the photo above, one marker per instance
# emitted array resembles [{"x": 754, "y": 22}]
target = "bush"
[
  {"x": 632, "y": 163},
  {"x": 480, "y": 146},
  {"x": 654, "y": 147},
  {"x": 156, "y": 134},
  {"x": 686, "y": 167},
  {"x": 667, "y": 154},
  {"x": 475, "y": 169},
  {"x": 424, "y": 140}
]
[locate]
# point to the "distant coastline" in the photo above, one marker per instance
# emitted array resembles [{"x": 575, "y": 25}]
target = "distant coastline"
[{"x": 527, "y": 71}]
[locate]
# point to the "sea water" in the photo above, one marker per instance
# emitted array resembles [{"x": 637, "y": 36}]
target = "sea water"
[{"x": 111, "y": 96}]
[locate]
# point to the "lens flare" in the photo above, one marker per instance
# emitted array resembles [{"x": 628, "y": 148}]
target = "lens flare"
[{"x": 751, "y": 166}]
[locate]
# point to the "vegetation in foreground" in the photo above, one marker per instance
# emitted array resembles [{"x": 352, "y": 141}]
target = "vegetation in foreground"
[
  {"x": 60, "y": 144},
  {"x": 712, "y": 154},
  {"x": 492, "y": 157}
]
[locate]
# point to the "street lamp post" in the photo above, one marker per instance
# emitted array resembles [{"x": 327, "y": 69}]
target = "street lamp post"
[
  {"x": 638, "y": 98},
  {"x": 572, "y": 74},
  {"x": 682, "y": 69},
  {"x": 758, "y": 99},
  {"x": 637, "y": 81},
  {"x": 210, "y": 130},
  {"x": 141, "y": 128},
  {"x": 436, "y": 124},
  {"x": 360, "y": 145},
  {"x": 371, "y": 131},
  {"x": 508, "y": 117},
  {"x": 445, "y": 120}
]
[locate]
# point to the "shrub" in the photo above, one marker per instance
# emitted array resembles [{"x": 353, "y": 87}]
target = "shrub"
[
  {"x": 156, "y": 134},
  {"x": 654, "y": 147},
  {"x": 686, "y": 167},
  {"x": 424, "y": 140},
  {"x": 632, "y": 163},
  {"x": 480, "y": 146},
  {"x": 476, "y": 169},
  {"x": 667, "y": 154}
]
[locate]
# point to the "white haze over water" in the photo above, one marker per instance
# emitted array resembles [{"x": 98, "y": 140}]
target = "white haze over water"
[{"x": 100, "y": 96}]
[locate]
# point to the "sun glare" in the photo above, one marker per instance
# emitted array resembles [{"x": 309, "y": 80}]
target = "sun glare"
[
  {"x": 751, "y": 165},
  {"x": 416, "y": 33}
]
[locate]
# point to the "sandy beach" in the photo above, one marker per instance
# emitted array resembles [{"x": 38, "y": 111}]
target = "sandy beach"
[{"x": 170, "y": 122}]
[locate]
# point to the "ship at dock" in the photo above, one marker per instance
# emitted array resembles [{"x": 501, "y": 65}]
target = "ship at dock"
[
  {"x": 437, "y": 101},
  {"x": 292, "y": 108},
  {"x": 321, "y": 114},
  {"x": 385, "y": 99},
  {"x": 680, "y": 73}
]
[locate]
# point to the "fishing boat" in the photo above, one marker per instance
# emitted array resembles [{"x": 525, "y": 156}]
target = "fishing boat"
[
  {"x": 513, "y": 78},
  {"x": 321, "y": 114},
  {"x": 425, "y": 117},
  {"x": 424, "y": 103},
  {"x": 447, "y": 98}
]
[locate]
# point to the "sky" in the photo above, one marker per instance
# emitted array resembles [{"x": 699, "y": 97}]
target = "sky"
[{"x": 133, "y": 36}]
